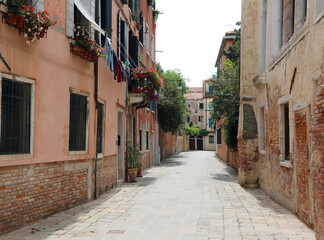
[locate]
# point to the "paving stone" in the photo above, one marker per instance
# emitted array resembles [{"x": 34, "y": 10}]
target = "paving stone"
[{"x": 185, "y": 202}]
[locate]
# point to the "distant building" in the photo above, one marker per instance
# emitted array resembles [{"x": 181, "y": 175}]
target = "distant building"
[
  {"x": 195, "y": 108},
  {"x": 209, "y": 122}
]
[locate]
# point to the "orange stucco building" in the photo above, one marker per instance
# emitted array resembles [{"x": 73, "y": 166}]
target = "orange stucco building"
[{"x": 64, "y": 119}]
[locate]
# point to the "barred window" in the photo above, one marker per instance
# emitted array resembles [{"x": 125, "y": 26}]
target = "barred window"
[
  {"x": 100, "y": 127},
  {"x": 15, "y": 117},
  {"x": 78, "y": 122},
  {"x": 219, "y": 136},
  {"x": 147, "y": 140}
]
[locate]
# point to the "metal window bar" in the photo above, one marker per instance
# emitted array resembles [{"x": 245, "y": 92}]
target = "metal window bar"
[
  {"x": 100, "y": 127},
  {"x": 78, "y": 122},
  {"x": 15, "y": 117}
]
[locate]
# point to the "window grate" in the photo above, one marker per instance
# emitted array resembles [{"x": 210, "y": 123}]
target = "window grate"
[
  {"x": 100, "y": 127},
  {"x": 78, "y": 122},
  {"x": 15, "y": 117}
]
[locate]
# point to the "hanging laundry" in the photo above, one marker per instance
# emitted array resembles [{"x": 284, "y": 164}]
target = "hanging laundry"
[
  {"x": 115, "y": 65},
  {"x": 118, "y": 70},
  {"x": 109, "y": 52}
]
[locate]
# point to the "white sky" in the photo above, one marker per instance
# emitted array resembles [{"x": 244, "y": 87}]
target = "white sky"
[{"x": 189, "y": 32}]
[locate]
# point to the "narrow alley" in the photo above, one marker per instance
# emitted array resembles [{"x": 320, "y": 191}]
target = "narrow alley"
[{"x": 190, "y": 196}]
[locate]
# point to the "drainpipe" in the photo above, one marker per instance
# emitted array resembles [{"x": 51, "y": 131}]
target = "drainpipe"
[{"x": 96, "y": 102}]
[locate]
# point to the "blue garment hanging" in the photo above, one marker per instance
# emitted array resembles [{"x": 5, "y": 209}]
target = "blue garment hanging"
[{"x": 109, "y": 53}]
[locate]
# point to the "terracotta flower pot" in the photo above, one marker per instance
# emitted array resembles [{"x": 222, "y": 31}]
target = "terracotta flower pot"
[
  {"x": 132, "y": 172},
  {"x": 139, "y": 171},
  {"x": 12, "y": 19},
  {"x": 20, "y": 22}
]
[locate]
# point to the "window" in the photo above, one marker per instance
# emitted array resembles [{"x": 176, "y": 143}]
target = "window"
[
  {"x": 201, "y": 105},
  {"x": 147, "y": 39},
  {"x": 284, "y": 130},
  {"x": 263, "y": 37},
  {"x": 319, "y": 7},
  {"x": 121, "y": 38},
  {"x": 276, "y": 31},
  {"x": 261, "y": 129},
  {"x": 211, "y": 122},
  {"x": 140, "y": 140},
  {"x": 134, "y": 5},
  {"x": 142, "y": 30},
  {"x": 152, "y": 48},
  {"x": 100, "y": 128},
  {"x": 147, "y": 140},
  {"x": 16, "y": 117},
  {"x": 134, "y": 131},
  {"x": 211, "y": 139},
  {"x": 200, "y": 118},
  {"x": 38, "y": 5},
  {"x": 78, "y": 122},
  {"x": 219, "y": 136},
  {"x": 153, "y": 105},
  {"x": 210, "y": 106},
  {"x": 188, "y": 119},
  {"x": 286, "y": 117},
  {"x": 210, "y": 90}
]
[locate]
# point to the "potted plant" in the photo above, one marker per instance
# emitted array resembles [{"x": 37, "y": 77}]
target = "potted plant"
[
  {"x": 133, "y": 155},
  {"x": 139, "y": 170}
]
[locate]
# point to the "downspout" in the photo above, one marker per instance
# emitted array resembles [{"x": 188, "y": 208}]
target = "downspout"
[
  {"x": 96, "y": 102},
  {"x": 127, "y": 135}
]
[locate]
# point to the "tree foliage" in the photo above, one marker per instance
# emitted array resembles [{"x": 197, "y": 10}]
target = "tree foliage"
[
  {"x": 226, "y": 84},
  {"x": 171, "y": 107},
  {"x": 196, "y": 131}
]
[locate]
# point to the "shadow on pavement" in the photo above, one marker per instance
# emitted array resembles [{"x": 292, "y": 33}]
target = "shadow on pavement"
[{"x": 144, "y": 181}]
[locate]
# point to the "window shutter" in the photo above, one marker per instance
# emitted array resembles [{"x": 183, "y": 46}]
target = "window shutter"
[
  {"x": 125, "y": 40},
  {"x": 118, "y": 34},
  {"x": 123, "y": 29},
  {"x": 69, "y": 18},
  {"x": 143, "y": 32}
]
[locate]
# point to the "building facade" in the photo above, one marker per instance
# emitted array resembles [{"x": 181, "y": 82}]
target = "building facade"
[
  {"x": 64, "y": 114},
  {"x": 280, "y": 137},
  {"x": 222, "y": 150},
  {"x": 209, "y": 122}
]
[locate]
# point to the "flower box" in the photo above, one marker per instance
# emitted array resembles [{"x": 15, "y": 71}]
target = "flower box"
[
  {"x": 81, "y": 52},
  {"x": 12, "y": 19}
]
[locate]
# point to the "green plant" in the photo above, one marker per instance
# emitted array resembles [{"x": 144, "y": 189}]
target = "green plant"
[
  {"x": 133, "y": 155},
  {"x": 14, "y": 6}
]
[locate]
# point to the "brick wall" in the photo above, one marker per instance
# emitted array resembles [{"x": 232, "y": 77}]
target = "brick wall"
[
  {"x": 275, "y": 180},
  {"x": 302, "y": 161},
  {"x": 106, "y": 174},
  {"x": 317, "y": 164},
  {"x": 32, "y": 192}
]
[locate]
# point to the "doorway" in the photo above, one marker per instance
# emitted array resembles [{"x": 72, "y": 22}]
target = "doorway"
[{"x": 121, "y": 147}]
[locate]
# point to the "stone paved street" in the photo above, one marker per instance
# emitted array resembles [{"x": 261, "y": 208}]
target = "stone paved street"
[{"x": 190, "y": 196}]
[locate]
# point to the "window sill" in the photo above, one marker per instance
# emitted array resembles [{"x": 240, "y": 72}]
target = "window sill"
[
  {"x": 285, "y": 164},
  {"x": 15, "y": 157},
  {"x": 296, "y": 38},
  {"x": 74, "y": 153},
  {"x": 263, "y": 152},
  {"x": 319, "y": 17}
]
